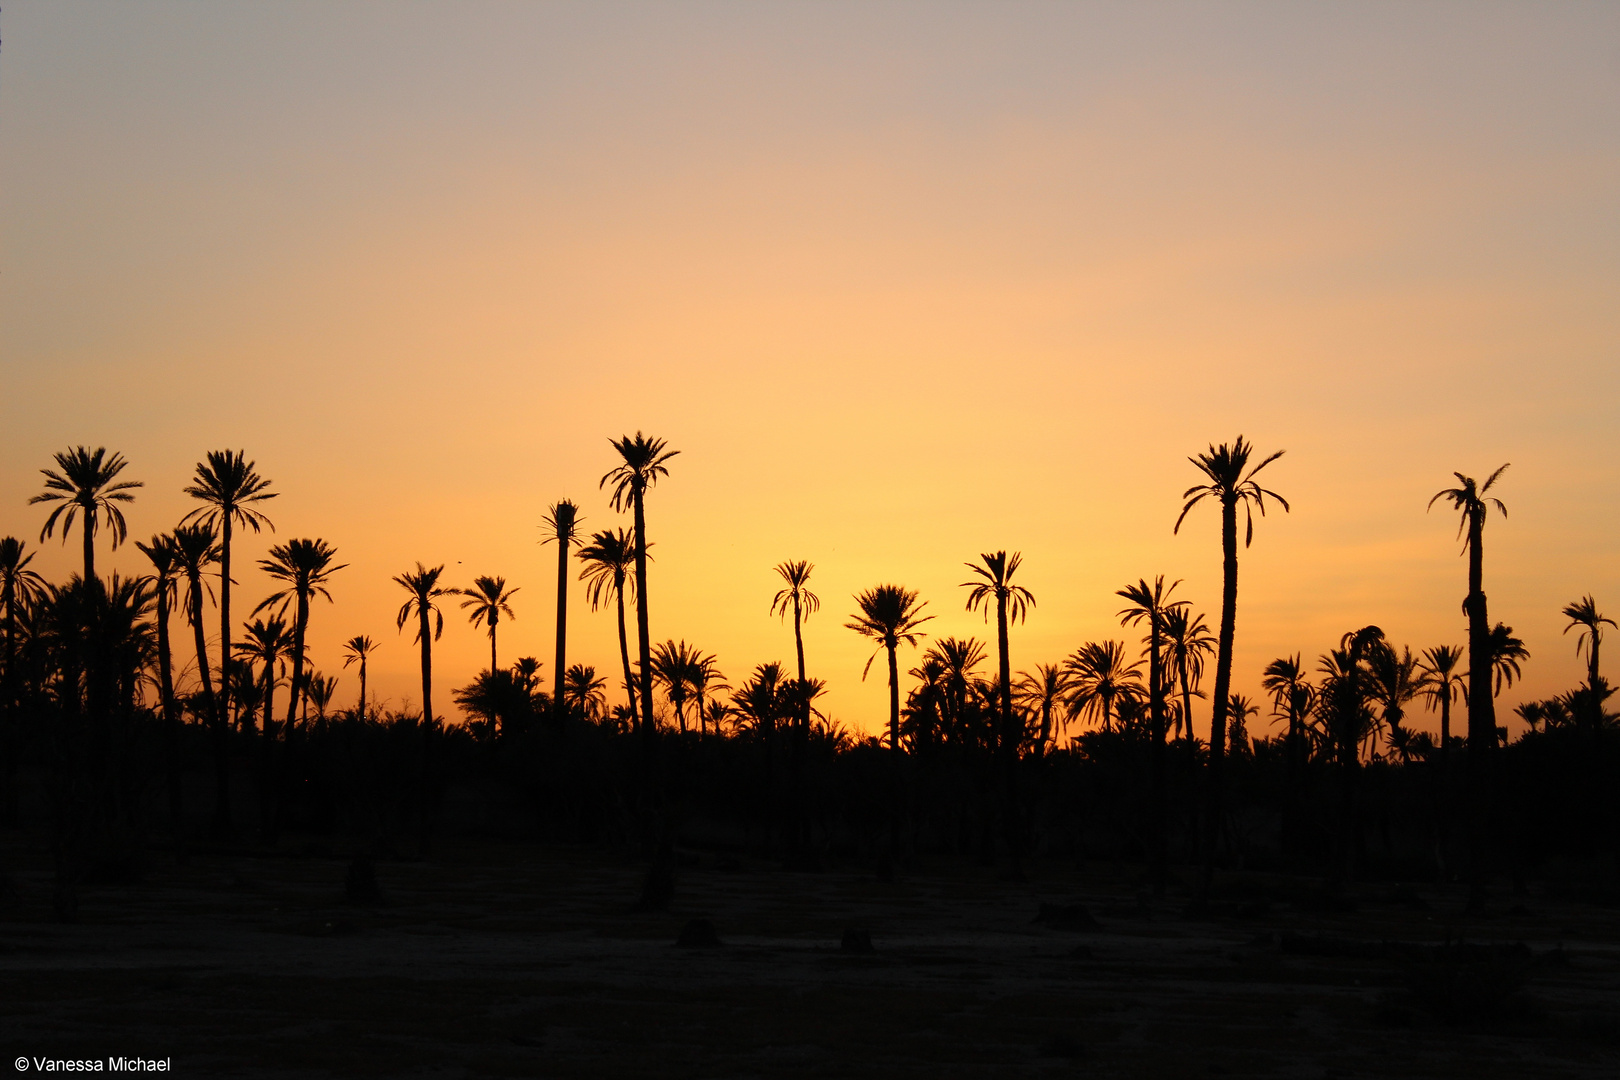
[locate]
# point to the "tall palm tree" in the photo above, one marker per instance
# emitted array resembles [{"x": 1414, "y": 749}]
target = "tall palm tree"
[
  {"x": 1231, "y": 483},
  {"x": 1188, "y": 642},
  {"x": 230, "y": 489},
  {"x": 358, "y": 649},
  {"x": 85, "y": 486},
  {"x": 608, "y": 559},
  {"x": 643, "y": 460},
  {"x": 489, "y": 599},
  {"x": 165, "y": 588},
  {"x": 1150, "y": 604},
  {"x": 561, "y": 523},
  {"x": 423, "y": 586},
  {"x": 798, "y": 599},
  {"x": 1098, "y": 678},
  {"x": 1583, "y": 613},
  {"x": 889, "y": 615},
  {"x": 1444, "y": 684},
  {"x": 1012, "y": 602},
  {"x": 305, "y": 566},
  {"x": 195, "y": 550}
]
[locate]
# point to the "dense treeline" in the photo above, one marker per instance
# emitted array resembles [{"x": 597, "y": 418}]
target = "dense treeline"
[{"x": 125, "y": 726}]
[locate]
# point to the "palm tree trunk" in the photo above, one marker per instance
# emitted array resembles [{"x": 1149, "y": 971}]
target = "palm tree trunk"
[
  {"x": 427, "y": 668},
  {"x": 643, "y": 630},
  {"x": 1223, "y": 689},
  {"x": 624, "y": 657},
  {"x": 361, "y": 712},
  {"x": 492, "y": 664},
  {"x": 1009, "y": 743},
  {"x": 89, "y": 531},
  {"x": 225, "y": 614},
  {"x": 1156, "y": 838},
  {"x": 1185, "y": 727},
  {"x": 222, "y": 763},
  {"x": 562, "y": 623},
  {"x": 1481, "y": 712},
  {"x": 801, "y": 741},
  {"x": 894, "y": 760}
]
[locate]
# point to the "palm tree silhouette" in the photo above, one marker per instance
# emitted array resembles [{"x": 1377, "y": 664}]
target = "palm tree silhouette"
[
  {"x": 562, "y": 522},
  {"x": 358, "y": 649},
  {"x": 1099, "y": 677},
  {"x": 85, "y": 486},
  {"x": 424, "y": 589},
  {"x": 305, "y": 566},
  {"x": 1012, "y": 602},
  {"x": 1240, "y": 709},
  {"x": 608, "y": 559},
  {"x": 1444, "y": 684},
  {"x": 643, "y": 462},
  {"x": 1506, "y": 652},
  {"x": 229, "y": 489},
  {"x": 705, "y": 679},
  {"x": 1583, "y": 613},
  {"x": 165, "y": 588},
  {"x": 1189, "y": 642},
  {"x": 489, "y": 599},
  {"x": 20, "y": 589},
  {"x": 268, "y": 643},
  {"x": 1151, "y": 603},
  {"x": 675, "y": 667},
  {"x": 1042, "y": 691},
  {"x": 195, "y": 550},
  {"x": 889, "y": 615},
  {"x": 1397, "y": 679},
  {"x": 583, "y": 694},
  {"x": 1231, "y": 482},
  {"x": 797, "y": 598},
  {"x": 319, "y": 693},
  {"x": 1292, "y": 697}
]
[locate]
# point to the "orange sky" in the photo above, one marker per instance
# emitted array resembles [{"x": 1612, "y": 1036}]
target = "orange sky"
[{"x": 902, "y": 283}]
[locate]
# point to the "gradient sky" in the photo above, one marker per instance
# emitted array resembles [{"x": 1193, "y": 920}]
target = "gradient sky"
[{"x": 903, "y": 283}]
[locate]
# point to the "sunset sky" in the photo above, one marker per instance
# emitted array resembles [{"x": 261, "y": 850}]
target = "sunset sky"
[{"x": 903, "y": 283}]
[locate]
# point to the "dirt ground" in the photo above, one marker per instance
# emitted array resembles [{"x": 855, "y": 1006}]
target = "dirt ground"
[{"x": 508, "y": 960}]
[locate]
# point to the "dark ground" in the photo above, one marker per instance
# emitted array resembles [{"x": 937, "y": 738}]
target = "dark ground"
[{"x": 509, "y": 960}]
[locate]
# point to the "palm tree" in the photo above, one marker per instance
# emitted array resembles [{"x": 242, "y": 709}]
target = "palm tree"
[
  {"x": 1292, "y": 697},
  {"x": 705, "y": 679},
  {"x": 1396, "y": 680},
  {"x": 1011, "y": 602},
  {"x": 643, "y": 461},
  {"x": 675, "y": 667},
  {"x": 319, "y": 692},
  {"x": 561, "y": 523},
  {"x": 1189, "y": 642},
  {"x": 583, "y": 694},
  {"x": 1231, "y": 482},
  {"x": 1506, "y": 652},
  {"x": 1444, "y": 683},
  {"x": 1099, "y": 677},
  {"x": 85, "y": 485},
  {"x": 195, "y": 551},
  {"x": 1583, "y": 613},
  {"x": 305, "y": 566},
  {"x": 1151, "y": 603},
  {"x": 229, "y": 488},
  {"x": 268, "y": 644},
  {"x": 489, "y": 599},
  {"x": 1042, "y": 691},
  {"x": 608, "y": 559},
  {"x": 165, "y": 588},
  {"x": 20, "y": 589},
  {"x": 359, "y": 649},
  {"x": 889, "y": 615},
  {"x": 1240, "y": 709},
  {"x": 423, "y": 586},
  {"x": 1347, "y": 722}
]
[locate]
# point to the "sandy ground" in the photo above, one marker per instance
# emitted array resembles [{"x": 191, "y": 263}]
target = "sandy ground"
[{"x": 491, "y": 960}]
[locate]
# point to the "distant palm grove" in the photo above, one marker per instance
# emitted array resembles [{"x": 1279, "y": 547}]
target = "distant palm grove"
[{"x": 144, "y": 715}]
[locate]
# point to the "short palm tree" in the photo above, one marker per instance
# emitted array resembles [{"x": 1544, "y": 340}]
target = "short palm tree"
[
  {"x": 165, "y": 588},
  {"x": 423, "y": 586},
  {"x": 304, "y": 567},
  {"x": 561, "y": 524},
  {"x": 230, "y": 490},
  {"x": 1231, "y": 482},
  {"x": 267, "y": 643},
  {"x": 85, "y": 485},
  {"x": 358, "y": 649},
  {"x": 675, "y": 667},
  {"x": 320, "y": 692},
  {"x": 195, "y": 550},
  {"x": 583, "y": 693},
  {"x": 1188, "y": 643},
  {"x": 706, "y": 679},
  {"x": 890, "y": 616},
  {"x": 489, "y": 599},
  {"x": 1444, "y": 684},
  {"x": 1291, "y": 696},
  {"x": 796, "y": 597},
  {"x": 1042, "y": 692},
  {"x": 1396, "y": 680},
  {"x": 643, "y": 460},
  {"x": 1583, "y": 613},
  {"x": 1099, "y": 678},
  {"x": 1240, "y": 708},
  {"x": 1506, "y": 652},
  {"x": 1151, "y": 604},
  {"x": 610, "y": 559},
  {"x": 20, "y": 589}
]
